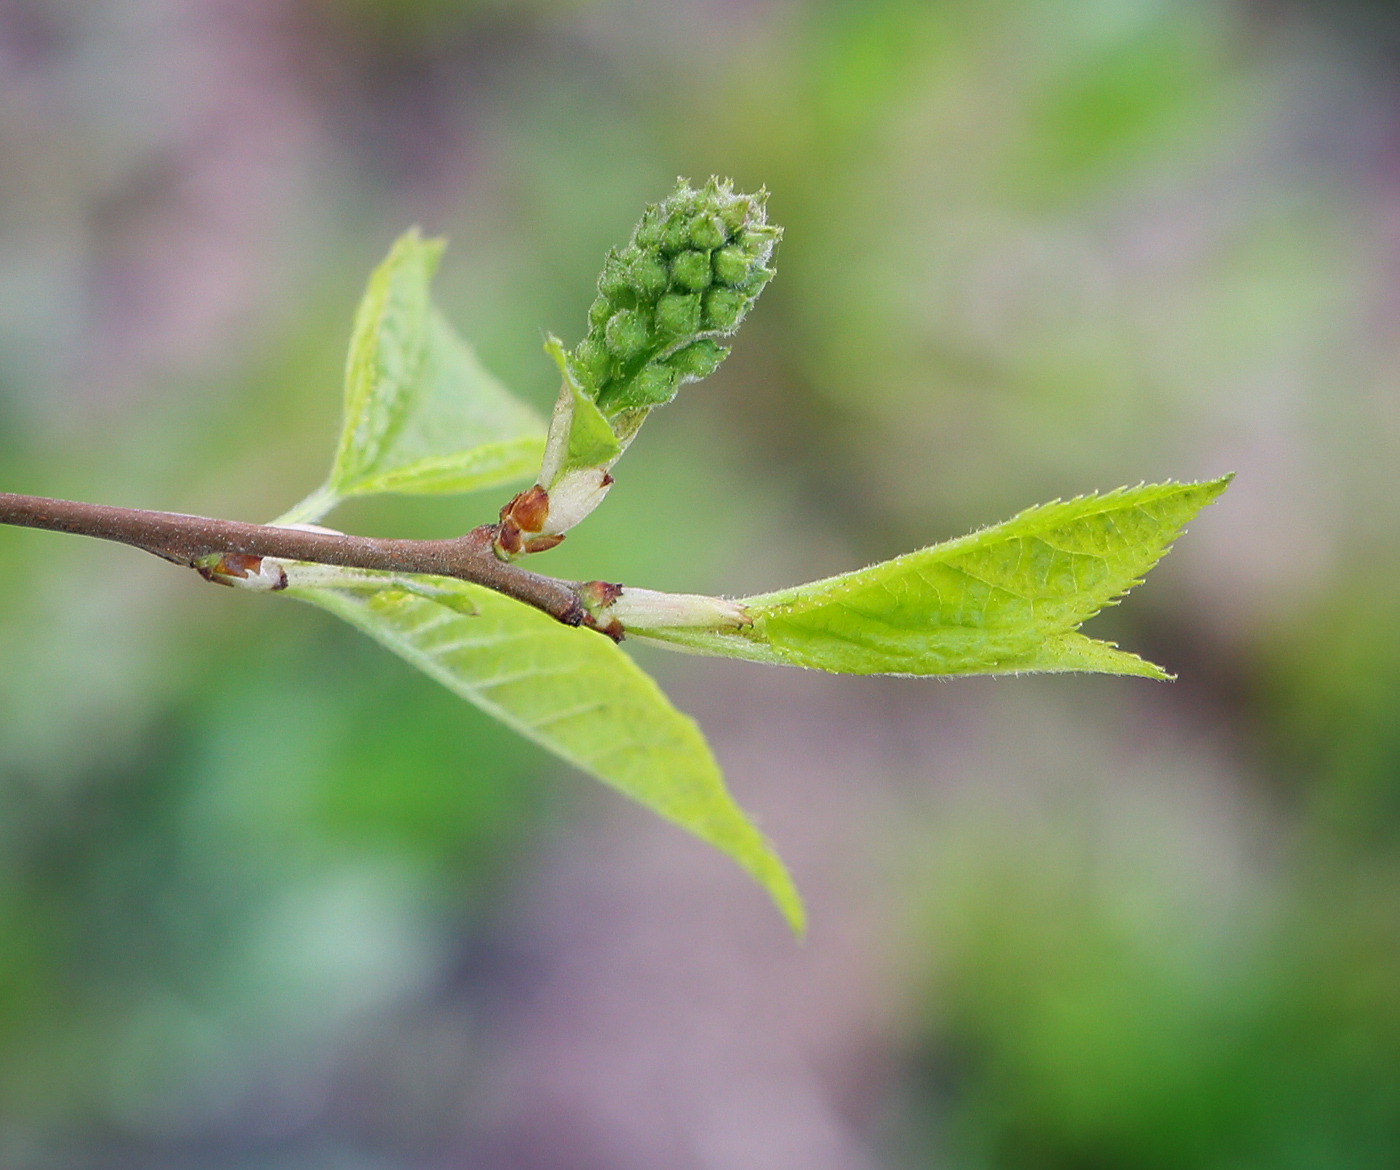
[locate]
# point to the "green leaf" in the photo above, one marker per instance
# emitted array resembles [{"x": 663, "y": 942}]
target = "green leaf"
[
  {"x": 387, "y": 347},
  {"x": 579, "y": 434},
  {"x": 573, "y": 692},
  {"x": 421, "y": 413},
  {"x": 461, "y": 429},
  {"x": 1006, "y": 599},
  {"x": 591, "y": 441}
]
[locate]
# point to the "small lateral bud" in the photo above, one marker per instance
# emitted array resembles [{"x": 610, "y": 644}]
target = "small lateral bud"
[
  {"x": 646, "y": 609},
  {"x": 522, "y": 519},
  {"x": 242, "y": 571}
]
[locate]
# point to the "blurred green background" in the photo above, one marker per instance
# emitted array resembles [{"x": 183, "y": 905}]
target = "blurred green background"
[{"x": 268, "y": 899}]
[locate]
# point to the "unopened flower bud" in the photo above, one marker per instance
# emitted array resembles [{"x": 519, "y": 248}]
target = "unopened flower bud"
[
  {"x": 743, "y": 209},
  {"x": 599, "y": 312},
  {"x": 648, "y": 275},
  {"x": 676, "y": 234},
  {"x": 753, "y": 284},
  {"x": 724, "y": 308},
  {"x": 707, "y": 232},
  {"x": 594, "y": 357},
  {"x": 678, "y": 315},
  {"x": 697, "y": 360},
  {"x": 627, "y": 334},
  {"x": 655, "y": 385},
  {"x": 708, "y": 242},
  {"x": 612, "y": 282},
  {"x": 731, "y": 265},
  {"x": 691, "y": 270}
]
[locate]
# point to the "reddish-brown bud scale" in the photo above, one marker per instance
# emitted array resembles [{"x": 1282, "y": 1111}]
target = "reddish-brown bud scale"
[
  {"x": 529, "y": 509},
  {"x": 543, "y": 543},
  {"x": 240, "y": 565}
]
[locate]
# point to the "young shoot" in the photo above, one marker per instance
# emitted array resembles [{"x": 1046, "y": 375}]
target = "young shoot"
[{"x": 541, "y": 654}]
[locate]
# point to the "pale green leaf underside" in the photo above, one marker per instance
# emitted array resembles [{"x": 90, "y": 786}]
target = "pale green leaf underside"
[
  {"x": 387, "y": 345},
  {"x": 459, "y": 429},
  {"x": 575, "y": 693},
  {"x": 1006, "y": 599},
  {"x": 422, "y": 415}
]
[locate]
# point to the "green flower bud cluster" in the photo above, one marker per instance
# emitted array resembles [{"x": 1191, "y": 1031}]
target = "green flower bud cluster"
[{"x": 694, "y": 267}]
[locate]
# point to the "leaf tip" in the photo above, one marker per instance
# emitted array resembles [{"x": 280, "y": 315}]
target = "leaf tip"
[
  {"x": 790, "y": 906},
  {"x": 430, "y": 247},
  {"x": 758, "y": 857},
  {"x": 1078, "y": 652},
  {"x": 1218, "y": 485}
]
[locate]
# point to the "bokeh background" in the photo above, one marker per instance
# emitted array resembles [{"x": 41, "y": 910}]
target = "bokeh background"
[{"x": 270, "y": 900}]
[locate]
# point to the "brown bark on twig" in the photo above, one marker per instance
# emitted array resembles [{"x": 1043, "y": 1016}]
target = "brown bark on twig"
[{"x": 186, "y": 539}]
